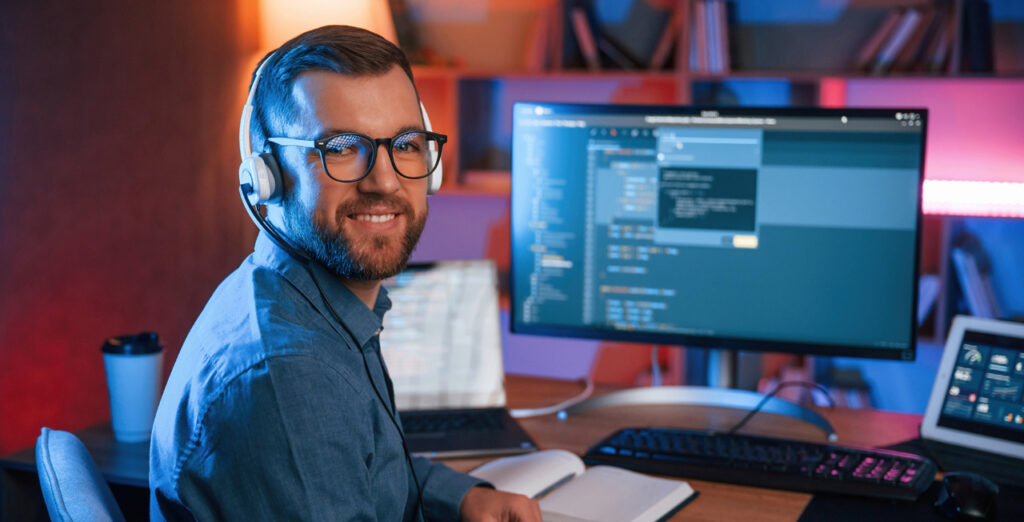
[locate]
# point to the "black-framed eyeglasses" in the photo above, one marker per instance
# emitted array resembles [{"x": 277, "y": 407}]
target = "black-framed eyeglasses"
[{"x": 349, "y": 157}]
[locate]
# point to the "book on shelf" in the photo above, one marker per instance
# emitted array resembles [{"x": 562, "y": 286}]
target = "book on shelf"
[
  {"x": 975, "y": 284},
  {"x": 711, "y": 21},
  {"x": 669, "y": 36},
  {"x": 911, "y": 52},
  {"x": 584, "y": 43},
  {"x": 950, "y": 36},
  {"x": 718, "y": 36},
  {"x": 708, "y": 29},
  {"x": 867, "y": 54},
  {"x": 684, "y": 34},
  {"x": 537, "y": 52},
  {"x": 556, "y": 47},
  {"x": 568, "y": 492},
  {"x": 956, "y": 37},
  {"x": 585, "y": 37},
  {"x": 699, "y": 43},
  {"x": 938, "y": 53},
  {"x": 722, "y": 22},
  {"x": 928, "y": 290},
  {"x": 568, "y": 48},
  {"x": 976, "y": 41},
  {"x": 909, "y": 21}
]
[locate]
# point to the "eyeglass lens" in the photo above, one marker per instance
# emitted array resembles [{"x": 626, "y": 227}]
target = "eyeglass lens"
[{"x": 347, "y": 157}]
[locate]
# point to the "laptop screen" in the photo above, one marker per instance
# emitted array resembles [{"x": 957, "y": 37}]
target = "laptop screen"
[
  {"x": 442, "y": 338},
  {"x": 984, "y": 394}
]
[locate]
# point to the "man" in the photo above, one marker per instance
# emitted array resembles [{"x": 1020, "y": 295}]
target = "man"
[{"x": 279, "y": 405}]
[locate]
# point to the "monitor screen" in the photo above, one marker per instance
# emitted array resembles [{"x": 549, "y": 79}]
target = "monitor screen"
[{"x": 791, "y": 230}]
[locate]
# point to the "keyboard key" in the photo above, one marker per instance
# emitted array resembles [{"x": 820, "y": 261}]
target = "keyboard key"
[{"x": 766, "y": 462}]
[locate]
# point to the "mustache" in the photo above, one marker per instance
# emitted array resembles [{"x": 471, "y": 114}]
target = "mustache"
[{"x": 370, "y": 201}]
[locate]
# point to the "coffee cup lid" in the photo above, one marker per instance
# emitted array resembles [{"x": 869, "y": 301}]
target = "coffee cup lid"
[{"x": 137, "y": 344}]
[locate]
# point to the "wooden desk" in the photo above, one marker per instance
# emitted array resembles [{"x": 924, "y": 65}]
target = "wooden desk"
[
  {"x": 126, "y": 465},
  {"x": 717, "y": 501}
]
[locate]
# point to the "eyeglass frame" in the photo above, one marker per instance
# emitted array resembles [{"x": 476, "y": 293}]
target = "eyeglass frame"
[{"x": 320, "y": 144}]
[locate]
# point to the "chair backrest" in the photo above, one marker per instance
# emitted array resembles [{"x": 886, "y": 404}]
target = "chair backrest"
[{"x": 73, "y": 488}]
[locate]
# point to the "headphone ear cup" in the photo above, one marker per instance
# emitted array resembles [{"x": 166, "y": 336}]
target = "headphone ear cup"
[
  {"x": 261, "y": 173},
  {"x": 434, "y": 180}
]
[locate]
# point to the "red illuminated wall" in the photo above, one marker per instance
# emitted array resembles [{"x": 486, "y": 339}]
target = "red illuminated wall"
[
  {"x": 975, "y": 128},
  {"x": 974, "y": 162},
  {"x": 118, "y": 205}
]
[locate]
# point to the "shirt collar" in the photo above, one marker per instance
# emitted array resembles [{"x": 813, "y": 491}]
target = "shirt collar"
[{"x": 359, "y": 321}]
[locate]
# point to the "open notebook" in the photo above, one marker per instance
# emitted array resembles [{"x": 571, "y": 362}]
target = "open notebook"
[{"x": 442, "y": 345}]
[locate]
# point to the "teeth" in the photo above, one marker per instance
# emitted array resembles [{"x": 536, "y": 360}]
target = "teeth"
[{"x": 375, "y": 218}]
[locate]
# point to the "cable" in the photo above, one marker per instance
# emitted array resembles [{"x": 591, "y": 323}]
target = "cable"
[
  {"x": 272, "y": 232},
  {"x": 279, "y": 240},
  {"x": 784, "y": 384},
  {"x": 557, "y": 408},
  {"x": 655, "y": 366},
  {"x": 392, "y": 414}
]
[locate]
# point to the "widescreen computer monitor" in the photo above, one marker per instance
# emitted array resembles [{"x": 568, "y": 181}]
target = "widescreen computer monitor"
[{"x": 787, "y": 230}]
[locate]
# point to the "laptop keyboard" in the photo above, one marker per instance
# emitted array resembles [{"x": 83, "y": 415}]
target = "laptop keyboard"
[{"x": 416, "y": 423}]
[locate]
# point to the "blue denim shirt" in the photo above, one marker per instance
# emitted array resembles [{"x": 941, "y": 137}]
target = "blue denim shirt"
[{"x": 270, "y": 412}]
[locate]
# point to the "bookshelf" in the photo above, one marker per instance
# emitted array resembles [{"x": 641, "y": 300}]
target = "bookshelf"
[
  {"x": 473, "y": 98},
  {"x": 472, "y": 101}
]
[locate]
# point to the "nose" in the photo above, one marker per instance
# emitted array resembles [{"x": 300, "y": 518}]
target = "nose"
[{"x": 382, "y": 179}]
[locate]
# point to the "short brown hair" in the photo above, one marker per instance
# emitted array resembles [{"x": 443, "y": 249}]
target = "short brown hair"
[{"x": 342, "y": 49}]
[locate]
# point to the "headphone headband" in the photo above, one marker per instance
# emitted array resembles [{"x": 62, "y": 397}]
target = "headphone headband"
[
  {"x": 261, "y": 169},
  {"x": 244, "y": 139}
]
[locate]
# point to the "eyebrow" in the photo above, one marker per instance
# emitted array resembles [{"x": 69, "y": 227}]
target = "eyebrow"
[{"x": 336, "y": 131}]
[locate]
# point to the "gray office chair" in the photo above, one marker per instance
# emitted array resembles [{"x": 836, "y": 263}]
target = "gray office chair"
[{"x": 72, "y": 485}]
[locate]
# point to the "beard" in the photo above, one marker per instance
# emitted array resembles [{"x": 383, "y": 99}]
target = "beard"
[{"x": 362, "y": 258}]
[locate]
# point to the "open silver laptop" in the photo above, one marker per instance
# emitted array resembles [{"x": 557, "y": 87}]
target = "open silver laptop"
[{"x": 442, "y": 345}]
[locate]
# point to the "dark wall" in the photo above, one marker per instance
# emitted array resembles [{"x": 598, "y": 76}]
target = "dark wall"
[{"x": 118, "y": 203}]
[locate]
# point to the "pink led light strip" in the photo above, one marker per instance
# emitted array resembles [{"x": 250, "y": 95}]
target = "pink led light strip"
[{"x": 974, "y": 198}]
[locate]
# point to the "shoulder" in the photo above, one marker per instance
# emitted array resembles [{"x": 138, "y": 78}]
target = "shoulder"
[
  {"x": 287, "y": 420},
  {"x": 258, "y": 314},
  {"x": 259, "y": 337}
]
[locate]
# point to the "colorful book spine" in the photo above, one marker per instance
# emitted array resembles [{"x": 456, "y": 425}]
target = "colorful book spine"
[{"x": 585, "y": 38}]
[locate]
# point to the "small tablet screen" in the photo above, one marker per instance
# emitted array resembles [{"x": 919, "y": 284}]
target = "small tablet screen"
[{"x": 984, "y": 394}]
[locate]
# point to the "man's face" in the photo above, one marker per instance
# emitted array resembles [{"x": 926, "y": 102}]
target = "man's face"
[{"x": 366, "y": 229}]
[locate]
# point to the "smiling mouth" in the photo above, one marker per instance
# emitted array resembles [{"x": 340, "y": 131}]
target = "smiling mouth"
[{"x": 375, "y": 218}]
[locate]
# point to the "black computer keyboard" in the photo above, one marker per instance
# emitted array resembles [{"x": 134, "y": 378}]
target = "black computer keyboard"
[
  {"x": 766, "y": 462},
  {"x": 414, "y": 422}
]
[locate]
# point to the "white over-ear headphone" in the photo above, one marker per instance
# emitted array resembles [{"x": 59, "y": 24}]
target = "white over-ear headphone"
[{"x": 259, "y": 171}]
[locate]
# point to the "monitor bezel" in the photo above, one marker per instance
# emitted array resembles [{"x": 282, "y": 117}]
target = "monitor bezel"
[{"x": 724, "y": 342}]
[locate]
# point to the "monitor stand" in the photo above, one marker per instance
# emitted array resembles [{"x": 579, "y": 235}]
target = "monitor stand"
[{"x": 721, "y": 393}]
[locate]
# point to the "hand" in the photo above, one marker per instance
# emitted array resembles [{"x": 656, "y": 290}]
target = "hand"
[{"x": 487, "y": 505}]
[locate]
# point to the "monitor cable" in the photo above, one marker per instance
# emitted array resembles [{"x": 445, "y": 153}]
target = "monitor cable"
[
  {"x": 588, "y": 390},
  {"x": 778, "y": 388},
  {"x": 655, "y": 366}
]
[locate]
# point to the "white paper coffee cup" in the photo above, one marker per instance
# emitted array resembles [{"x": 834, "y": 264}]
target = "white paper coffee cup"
[{"x": 134, "y": 365}]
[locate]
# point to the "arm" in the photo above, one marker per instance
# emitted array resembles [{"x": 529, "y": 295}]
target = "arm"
[
  {"x": 443, "y": 488},
  {"x": 287, "y": 440},
  {"x": 475, "y": 499}
]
